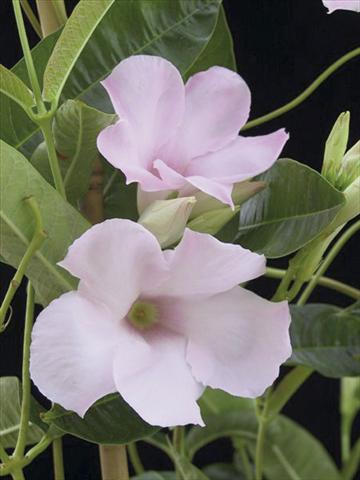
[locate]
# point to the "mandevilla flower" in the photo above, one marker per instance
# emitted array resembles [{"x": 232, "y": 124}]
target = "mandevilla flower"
[
  {"x": 184, "y": 138},
  {"x": 157, "y": 326},
  {"x": 333, "y": 5}
]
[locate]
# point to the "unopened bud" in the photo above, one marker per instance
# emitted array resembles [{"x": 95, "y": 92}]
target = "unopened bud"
[
  {"x": 212, "y": 222},
  {"x": 241, "y": 192},
  {"x": 350, "y": 167},
  {"x": 167, "y": 219},
  {"x": 335, "y": 147}
]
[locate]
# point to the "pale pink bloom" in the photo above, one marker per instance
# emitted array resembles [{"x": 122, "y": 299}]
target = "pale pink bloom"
[
  {"x": 333, "y": 5},
  {"x": 157, "y": 327},
  {"x": 172, "y": 136}
]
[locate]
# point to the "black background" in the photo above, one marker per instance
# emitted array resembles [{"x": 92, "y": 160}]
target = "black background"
[{"x": 280, "y": 46}]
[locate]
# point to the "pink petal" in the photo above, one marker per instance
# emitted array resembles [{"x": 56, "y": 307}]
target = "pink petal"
[
  {"x": 242, "y": 159},
  {"x": 217, "y": 106},
  {"x": 144, "y": 199},
  {"x": 72, "y": 351},
  {"x": 200, "y": 264},
  {"x": 237, "y": 340},
  {"x": 115, "y": 261},
  {"x": 120, "y": 146},
  {"x": 149, "y": 93},
  {"x": 155, "y": 380},
  {"x": 333, "y": 5}
]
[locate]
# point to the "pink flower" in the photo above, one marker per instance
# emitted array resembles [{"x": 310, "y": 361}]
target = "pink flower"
[
  {"x": 172, "y": 136},
  {"x": 157, "y": 327},
  {"x": 333, "y": 5}
]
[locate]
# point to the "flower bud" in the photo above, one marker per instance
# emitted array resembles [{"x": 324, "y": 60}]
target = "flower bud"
[
  {"x": 350, "y": 167},
  {"x": 335, "y": 147},
  {"x": 212, "y": 222},
  {"x": 241, "y": 192},
  {"x": 167, "y": 219}
]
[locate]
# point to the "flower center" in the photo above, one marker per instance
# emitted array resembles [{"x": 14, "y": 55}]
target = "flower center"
[{"x": 143, "y": 315}]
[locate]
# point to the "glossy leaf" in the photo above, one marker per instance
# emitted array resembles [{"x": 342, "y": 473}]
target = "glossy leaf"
[
  {"x": 290, "y": 451},
  {"x": 219, "y": 50},
  {"x": 75, "y": 129},
  {"x": 15, "y": 88},
  {"x": 128, "y": 28},
  {"x": 10, "y": 401},
  {"x": 62, "y": 222},
  {"x": 110, "y": 420},
  {"x": 73, "y": 39},
  {"x": 297, "y": 204},
  {"x": 327, "y": 339}
]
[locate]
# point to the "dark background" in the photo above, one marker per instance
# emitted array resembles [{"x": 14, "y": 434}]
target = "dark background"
[{"x": 280, "y": 46}]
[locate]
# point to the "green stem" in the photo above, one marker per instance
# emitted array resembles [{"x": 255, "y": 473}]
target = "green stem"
[
  {"x": 352, "y": 464},
  {"x": 179, "y": 446},
  {"x": 26, "y": 385},
  {"x": 17, "y": 475},
  {"x": 31, "y": 17},
  {"x": 305, "y": 94},
  {"x": 58, "y": 459},
  {"x": 46, "y": 128},
  {"x": 346, "y": 424},
  {"x": 328, "y": 260},
  {"x": 286, "y": 389},
  {"x": 36, "y": 242},
  {"x": 28, "y": 58},
  {"x": 241, "y": 448},
  {"x": 323, "y": 281},
  {"x": 260, "y": 438},
  {"x": 16, "y": 464},
  {"x": 4, "y": 457},
  {"x": 113, "y": 462},
  {"x": 135, "y": 458},
  {"x": 283, "y": 287}
]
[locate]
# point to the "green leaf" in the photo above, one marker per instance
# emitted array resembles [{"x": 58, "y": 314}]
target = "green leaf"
[
  {"x": 75, "y": 129},
  {"x": 327, "y": 339},
  {"x": 119, "y": 199},
  {"x": 151, "y": 475},
  {"x": 61, "y": 221},
  {"x": 218, "y": 51},
  {"x": 74, "y": 36},
  {"x": 214, "y": 401},
  {"x": 297, "y": 204},
  {"x": 291, "y": 453},
  {"x": 128, "y": 28},
  {"x": 10, "y": 401},
  {"x": 110, "y": 420},
  {"x": 15, "y": 88},
  {"x": 223, "y": 471}
]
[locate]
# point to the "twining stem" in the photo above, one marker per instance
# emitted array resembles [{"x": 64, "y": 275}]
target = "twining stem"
[
  {"x": 36, "y": 242},
  {"x": 135, "y": 458},
  {"x": 31, "y": 17},
  {"x": 26, "y": 384},
  {"x": 327, "y": 262},
  {"x": 340, "y": 287},
  {"x": 58, "y": 459},
  {"x": 4, "y": 457},
  {"x": 46, "y": 128},
  {"x": 28, "y": 58},
  {"x": 113, "y": 462},
  {"x": 305, "y": 94}
]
